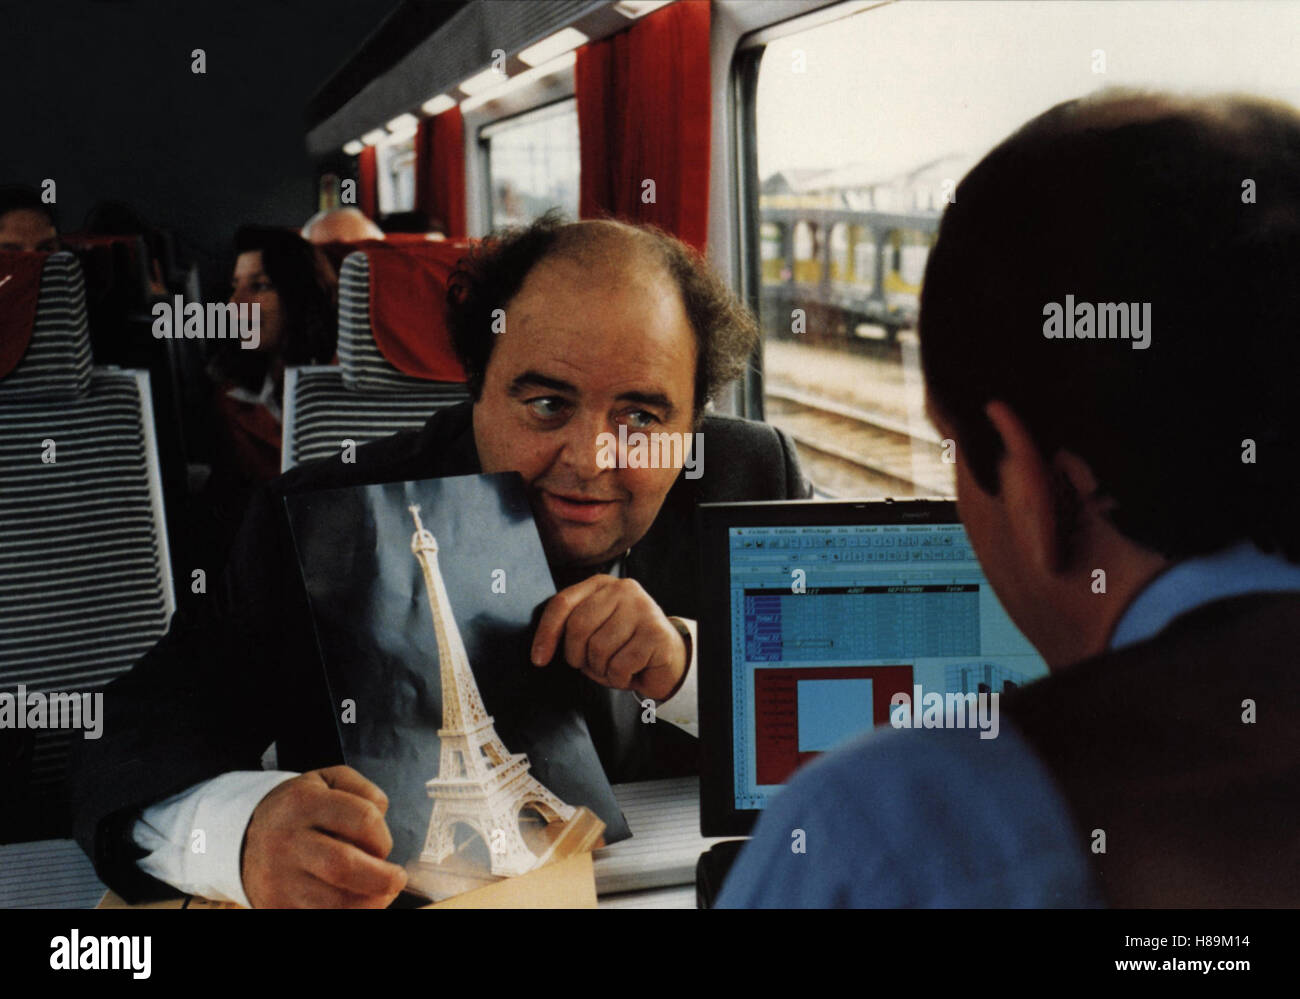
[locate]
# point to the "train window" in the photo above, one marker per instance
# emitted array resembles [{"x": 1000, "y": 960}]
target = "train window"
[
  {"x": 533, "y": 164},
  {"x": 863, "y": 126},
  {"x": 770, "y": 251},
  {"x": 395, "y": 163}
]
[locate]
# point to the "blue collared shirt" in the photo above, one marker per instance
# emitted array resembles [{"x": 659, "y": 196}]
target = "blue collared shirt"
[
  {"x": 1232, "y": 572},
  {"x": 940, "y": 818}
]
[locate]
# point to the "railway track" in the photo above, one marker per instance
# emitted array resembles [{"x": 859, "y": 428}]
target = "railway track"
[{"x": 853, "y": 452}]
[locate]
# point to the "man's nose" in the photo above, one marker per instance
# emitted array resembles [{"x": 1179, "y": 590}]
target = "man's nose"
[{"x": 582, "y": 444}]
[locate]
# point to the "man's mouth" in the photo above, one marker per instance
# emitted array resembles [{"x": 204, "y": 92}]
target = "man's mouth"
[{"x": 575, "y": 507}]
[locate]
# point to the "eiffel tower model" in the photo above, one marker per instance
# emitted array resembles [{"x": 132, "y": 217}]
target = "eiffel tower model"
[{"x": 481, "y": 785}]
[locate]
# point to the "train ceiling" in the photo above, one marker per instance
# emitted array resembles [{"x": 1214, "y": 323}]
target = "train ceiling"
[{"x": 390, "y": 76}]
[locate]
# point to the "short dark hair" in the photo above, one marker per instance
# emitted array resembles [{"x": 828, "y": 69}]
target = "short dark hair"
[
  {"x": 494, "y": 271},
  {"x": 405, "y": 222},
  {"x": 1191, "y": 205},
  {"x": 17, "y": 197},
  {"x": 302, "y": 276}
]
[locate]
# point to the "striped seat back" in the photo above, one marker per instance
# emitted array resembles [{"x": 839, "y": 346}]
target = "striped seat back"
[
  {"x": 364, "y": 397},
  {"x": 85, "y": 584},
  {"x": 57, "y": 362}
]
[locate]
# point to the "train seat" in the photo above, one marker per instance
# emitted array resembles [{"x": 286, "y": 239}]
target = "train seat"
[
  {"x": 85, "y": 580},
  {"x": 396, "y": 366},
  {"x": 116, "y": 271}
]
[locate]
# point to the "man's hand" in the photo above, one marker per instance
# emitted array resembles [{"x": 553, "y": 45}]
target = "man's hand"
[
  {"x": 319, "y": 841},
  {"x": 614, "y": 633}
]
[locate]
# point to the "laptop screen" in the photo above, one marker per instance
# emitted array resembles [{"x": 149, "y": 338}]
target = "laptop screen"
[{"x": 832, "y": 610}]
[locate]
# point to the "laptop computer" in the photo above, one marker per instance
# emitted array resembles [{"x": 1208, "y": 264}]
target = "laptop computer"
[{"x": 815, "y": 614}]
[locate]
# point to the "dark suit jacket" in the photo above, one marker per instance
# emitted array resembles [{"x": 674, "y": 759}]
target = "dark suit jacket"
[
  {"x": 224, "y": 683},
  {"x": 1153, "y": 746}
]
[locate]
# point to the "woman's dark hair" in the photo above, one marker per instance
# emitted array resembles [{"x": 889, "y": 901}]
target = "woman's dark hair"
[
  {"x": 302, "y": 277},
  {"x": 494, "y": 271},
  {"x": 1189, "y": 206}
]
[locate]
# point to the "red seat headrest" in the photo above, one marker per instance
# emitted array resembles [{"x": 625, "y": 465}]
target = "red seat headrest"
[
  {"x": 408, "y": 297},
  {"x": 20, "y": 285}
]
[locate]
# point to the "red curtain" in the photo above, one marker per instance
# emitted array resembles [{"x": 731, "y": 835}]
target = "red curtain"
[
  {"x": 644, "y": 111},
  {"x": 440, "y": 171},
  {"x": 368, "y": 183}
]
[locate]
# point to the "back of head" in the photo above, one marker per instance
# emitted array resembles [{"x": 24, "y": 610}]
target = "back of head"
[
  {"x": 304, "y": 281},
  {"x": 340, "y": 225},
  {"x": 406, "y": 223},
  {"x": 1186, "y": 211}
]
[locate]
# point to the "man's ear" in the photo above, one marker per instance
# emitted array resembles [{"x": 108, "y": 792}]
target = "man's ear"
[{"x": 1032, "y": 496}]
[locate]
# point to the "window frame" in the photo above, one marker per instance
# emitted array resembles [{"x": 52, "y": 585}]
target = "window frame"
[
  {"x": 484, "y": 152},
  {"x": 742, "y": 116},
  {"x": 549, "y": 89},
  {"x": 385, "y": 190}
]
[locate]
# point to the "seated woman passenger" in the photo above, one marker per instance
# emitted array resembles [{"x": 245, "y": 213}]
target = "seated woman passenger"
[{"x": 294, "y": 289}]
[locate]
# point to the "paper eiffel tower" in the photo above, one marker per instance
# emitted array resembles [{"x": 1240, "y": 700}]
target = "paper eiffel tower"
[{"x": 482, "y": 791}]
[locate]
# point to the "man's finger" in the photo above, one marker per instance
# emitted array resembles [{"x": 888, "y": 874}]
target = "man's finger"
[
  {"x": 634, "y": 656},
  {"x": 596, "y": 630},
  {"x": 558, "y": 609},
  {"x": 344, "y": 778},
  {"x": 345, "y": 816},
  {"x": 349, "y": 869}
]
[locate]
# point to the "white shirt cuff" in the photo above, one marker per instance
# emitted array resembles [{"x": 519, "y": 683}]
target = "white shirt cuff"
[
  {"x": 683, "y": 709},
  {"x": 194, "y": 837}
]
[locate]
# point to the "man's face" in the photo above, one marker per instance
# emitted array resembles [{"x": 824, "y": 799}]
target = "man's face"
[
  {"x": 584, "y": 350},
  {"x": 26, "y": 230}
]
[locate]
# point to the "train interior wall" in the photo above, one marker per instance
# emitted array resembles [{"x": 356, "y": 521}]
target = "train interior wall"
[{"x": 194, "y": 153}]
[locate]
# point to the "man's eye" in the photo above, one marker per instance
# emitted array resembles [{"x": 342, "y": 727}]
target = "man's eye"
[
  {"x": 263, "y": 286},
  {"x": 640, "y": 419},
  {"x": 547, "y": 407}
]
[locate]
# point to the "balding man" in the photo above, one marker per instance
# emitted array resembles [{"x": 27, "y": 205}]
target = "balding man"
[
  {"x": 608, "y": 328},
  {"x": 340, "y": 225}
]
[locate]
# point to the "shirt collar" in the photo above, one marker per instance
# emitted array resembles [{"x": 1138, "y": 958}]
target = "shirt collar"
[
  {"x": 1230, "y": 572},
  {"x": 265, "y": 398}
]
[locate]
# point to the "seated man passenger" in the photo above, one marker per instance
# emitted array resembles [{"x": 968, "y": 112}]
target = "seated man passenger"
[
  {"x": 27, "y": 224},
  {"x": 1130, "y": 490},
  {"x": 340, "y": 225},
  {"x": 607, "y": 325}
]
